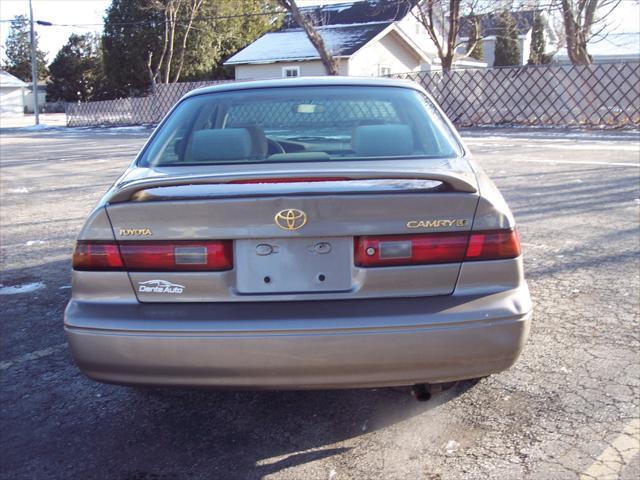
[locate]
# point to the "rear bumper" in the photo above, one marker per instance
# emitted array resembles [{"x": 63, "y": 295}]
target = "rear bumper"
[{"x": 300, "y": 344}]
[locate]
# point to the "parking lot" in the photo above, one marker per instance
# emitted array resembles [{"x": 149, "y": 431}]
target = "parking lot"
[{"x": 568, "y": 409}]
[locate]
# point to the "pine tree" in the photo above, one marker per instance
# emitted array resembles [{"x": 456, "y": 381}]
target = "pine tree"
[
  {"x": 507, "y": 47},
  {"x": 18, "y": 51},
  {"x": 133, "y": 40},
  {"x": 131, "y": 31},
  {"x": 76, "y": 72}
]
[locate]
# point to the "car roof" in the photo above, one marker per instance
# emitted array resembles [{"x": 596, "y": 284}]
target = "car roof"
[{"x": 307, "y": 82}]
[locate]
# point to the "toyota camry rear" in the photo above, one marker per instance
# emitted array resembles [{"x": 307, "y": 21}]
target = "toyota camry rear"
[{"x": 306, "y": 233}]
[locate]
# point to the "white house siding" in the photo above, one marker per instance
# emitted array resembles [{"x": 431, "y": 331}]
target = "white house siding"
[
  {"x": 388, "y": 52},
  {"x": 28, "y": 99},
  {"x": 489, "y": 50},
  {"x": 525, "y": 47},
  {"x": 11, "y": 100},
  {"x": 261, "y": 71},
  {"x": 413, "y": 29}
]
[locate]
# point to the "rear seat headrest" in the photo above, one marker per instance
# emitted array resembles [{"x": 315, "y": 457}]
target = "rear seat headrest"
[
  {"x": 221, "y": 144},
  {"x": 382, "y": 140}
]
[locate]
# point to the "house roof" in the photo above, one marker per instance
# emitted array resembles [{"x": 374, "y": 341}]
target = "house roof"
[
  {"x": 489, "y": 23},
  {"x": 292, "y": 43},
  {"x": 344, "y": 27},
  {"x": 611, "y": 46},
  {"x": 8, "y": 80},
  {"x": 348, "y": 13}
]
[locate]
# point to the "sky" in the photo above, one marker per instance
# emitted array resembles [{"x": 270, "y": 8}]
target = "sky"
[
  {"x": 627, "y": 18},
  {"x": 51, "y": 39}
]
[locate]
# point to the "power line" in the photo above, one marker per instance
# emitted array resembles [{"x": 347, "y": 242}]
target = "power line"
[{"x": 151, "y": 22}]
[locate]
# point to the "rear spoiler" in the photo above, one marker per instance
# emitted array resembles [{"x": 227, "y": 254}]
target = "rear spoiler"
[{"x": 139, "y": 189}]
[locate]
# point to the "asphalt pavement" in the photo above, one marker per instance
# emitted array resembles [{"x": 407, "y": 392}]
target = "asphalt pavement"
[{"x": 568, "y": 409}]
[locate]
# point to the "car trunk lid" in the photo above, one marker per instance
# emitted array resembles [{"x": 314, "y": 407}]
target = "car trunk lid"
[{"x": 293, "y": 234}]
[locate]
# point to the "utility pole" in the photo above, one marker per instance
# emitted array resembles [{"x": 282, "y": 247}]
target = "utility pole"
[{"x": 34, "y": 66}]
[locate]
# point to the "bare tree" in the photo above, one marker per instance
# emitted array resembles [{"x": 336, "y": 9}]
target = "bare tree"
[
  {"x": 574, "y": 22},
  {"x": 442, "y": 20},
  {"x": 328, "y": 61},
  {"x": 160, "y": 71},
  {"x": 193, "y": 6},
  {"x": 579, "y": 20}
]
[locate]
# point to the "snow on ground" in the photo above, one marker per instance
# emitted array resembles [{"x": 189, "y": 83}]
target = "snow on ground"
[
  {"x": 24, "y": 288},
  {"x": 47, "y": 120},
  {"x": 550, "y": 132}
]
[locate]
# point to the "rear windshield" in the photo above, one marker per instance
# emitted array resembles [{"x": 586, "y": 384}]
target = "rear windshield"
[{"x": 301, "y": 124}]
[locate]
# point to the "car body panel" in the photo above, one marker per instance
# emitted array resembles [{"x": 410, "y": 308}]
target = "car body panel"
[
  {"x": 391, "y": 325},
  {"x": 295, "y": 345},
  {"x": 454, "y": 171},
  {"x": 330, "y": 215}
]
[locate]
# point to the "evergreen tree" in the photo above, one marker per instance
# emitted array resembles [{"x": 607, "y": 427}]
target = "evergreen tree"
[
  {"x": 507, "y": 47},
  {"x": 18, "y": 51},
  {"x": 136, "y": 51},
  {"x": 76, "y": 72},
  {"x": 538, "y": 45},
  {"x": 132, "y": 30}
]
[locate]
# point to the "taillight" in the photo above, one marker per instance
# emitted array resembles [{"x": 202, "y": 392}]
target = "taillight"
[
  {"x": 215, "y": 255},
  {"x": 455, "y": 247},
  {"x": 391, "y": 250},
  {"x": 493, "y": 245},
  {"x": 181, "y": 256},
  {"x": 292, "y": 180},
  {"x": 97, "y": 256}
]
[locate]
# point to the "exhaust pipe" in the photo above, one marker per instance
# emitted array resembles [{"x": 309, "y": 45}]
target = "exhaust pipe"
[
  {"x": 421, "y": 392},
  {"x": 424, "y": 391}
]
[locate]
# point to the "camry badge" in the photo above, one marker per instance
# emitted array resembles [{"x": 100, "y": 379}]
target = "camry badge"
[
  {"x": 291, "y": 219},
  {"x": 454, "y": 222}
]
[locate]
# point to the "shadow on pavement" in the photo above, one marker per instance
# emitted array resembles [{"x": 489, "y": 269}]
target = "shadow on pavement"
[{"x": 59, "y": 424}]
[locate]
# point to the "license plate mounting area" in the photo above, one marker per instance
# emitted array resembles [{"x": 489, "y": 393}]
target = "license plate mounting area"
[{"x": 294, "y": 265}]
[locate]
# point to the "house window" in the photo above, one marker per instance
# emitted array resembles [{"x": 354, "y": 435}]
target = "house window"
[
  {"x": 290, "y": 72},
  {"x": 384, "y": 70}
]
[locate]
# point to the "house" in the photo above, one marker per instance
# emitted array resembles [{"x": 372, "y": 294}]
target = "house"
[
  {"x": 608, "y": 48},
  {"x": 524, "y": 20},
  {"x": 12, "y": 93},
  {"x": 42, "y": 97},
  {"x": 369, "y": 38}
]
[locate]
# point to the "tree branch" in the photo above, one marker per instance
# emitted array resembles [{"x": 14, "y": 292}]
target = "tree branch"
[
  {"x": 195, "y": 7},
  {"x": 328, "y": 61}
]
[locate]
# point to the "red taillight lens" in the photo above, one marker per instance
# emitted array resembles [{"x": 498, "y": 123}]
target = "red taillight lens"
[
  {"x": 493, "y": 245},
  {"x": 177, "y": 256},
  {"x": 173, "y": 256},
  {"x": 292, "y": 180},
  {"x": 97, "y": 256},
  {"x": 410, "y": 249},
  {"x": 395, "y": 250}
]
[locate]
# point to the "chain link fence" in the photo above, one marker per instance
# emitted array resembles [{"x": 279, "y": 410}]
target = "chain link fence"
[
  {"x": 601, "y": 95},
  {"x": 134, "y": 110}
]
